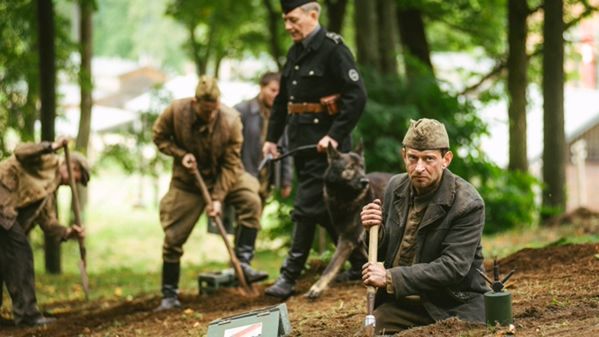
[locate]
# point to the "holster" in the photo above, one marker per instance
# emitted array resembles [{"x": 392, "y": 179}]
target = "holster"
[{"x": 331, "y": 103}]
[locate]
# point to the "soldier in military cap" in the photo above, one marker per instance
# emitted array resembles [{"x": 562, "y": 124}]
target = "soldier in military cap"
[
  {"x": 202, "y": 133},
  {"x": 29, "y": 180},
  {"x": 320, "y": 100},
  {"x": 429, "y": 240}
]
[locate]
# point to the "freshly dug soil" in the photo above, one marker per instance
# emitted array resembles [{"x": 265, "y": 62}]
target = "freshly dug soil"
[{"x": 555, "y": 293}]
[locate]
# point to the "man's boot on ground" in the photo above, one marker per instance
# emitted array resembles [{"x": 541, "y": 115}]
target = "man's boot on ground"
[
  {"x": 244, "y": 250},
  {"x": 303, "y": 235},
  {"x": 37, "y": 321},
  {"x": 170, "y": 286},
  {"x": 282, "y": 288}
]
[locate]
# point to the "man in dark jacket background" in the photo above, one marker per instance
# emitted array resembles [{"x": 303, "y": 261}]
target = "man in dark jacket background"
[
  {"x": 255, "y": 114},
  {"x": 320, "y": 102},
  {"x": 430, "y": 238}
]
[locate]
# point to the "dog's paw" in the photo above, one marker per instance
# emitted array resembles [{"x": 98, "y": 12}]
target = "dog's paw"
[{"x": 313, "y": 293}]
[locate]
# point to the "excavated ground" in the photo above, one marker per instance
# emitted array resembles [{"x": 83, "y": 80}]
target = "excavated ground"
[{"x": 555, "y": 293}]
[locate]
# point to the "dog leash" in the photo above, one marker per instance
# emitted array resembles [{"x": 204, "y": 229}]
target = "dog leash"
[{"x": 269, "y": 158}]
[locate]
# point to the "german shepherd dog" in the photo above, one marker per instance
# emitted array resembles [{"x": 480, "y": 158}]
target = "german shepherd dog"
[{"x": 347, "y": 188}]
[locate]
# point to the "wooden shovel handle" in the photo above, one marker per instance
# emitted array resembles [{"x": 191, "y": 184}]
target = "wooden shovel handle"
[
  {"x": 77, "y": 211},
  {"x": 221, "y": 229}
]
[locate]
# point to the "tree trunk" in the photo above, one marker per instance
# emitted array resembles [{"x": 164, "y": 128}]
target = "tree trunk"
[
  {"x": 387, "y": 26},
  {"x": 414, "y": 43},
  {"x": 47, "y": 62},
  {"x": 366, "y": 33},
  {"x": 85, "y": 78},
  {"x": 273, "y": 28},
  {"x": 335, "y": 14},
  {"x": 554, "y": 149},
  {"x": 517, "y": 64},
  {"x": 86, "y": 8},
  {"x": 30, "y": 112},
  {"x": 196, "y": 50}
]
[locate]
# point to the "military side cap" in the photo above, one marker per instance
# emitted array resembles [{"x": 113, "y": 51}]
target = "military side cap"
[
  {"x": 207, "y": 88},
  {"x": 426, "y": 134},
  {"x": 289, "y": 5},
  {"x": 83, "y": 166}
]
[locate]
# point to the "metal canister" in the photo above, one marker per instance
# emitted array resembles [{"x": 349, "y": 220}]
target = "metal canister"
[{"x": 498, "y": 308}]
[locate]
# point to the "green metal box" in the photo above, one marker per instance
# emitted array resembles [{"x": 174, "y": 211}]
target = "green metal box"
[
  {"x": 208, "y": 283},
  {"x": 267, "y": 322}
]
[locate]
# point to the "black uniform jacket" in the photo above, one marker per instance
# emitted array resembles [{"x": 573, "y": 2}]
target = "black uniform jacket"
[
  {"x": 324, "y": 67},
  {"x": 448, "y": 248}
]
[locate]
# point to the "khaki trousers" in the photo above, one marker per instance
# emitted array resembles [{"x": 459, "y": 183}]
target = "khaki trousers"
[{"x": 181, "y": 209}]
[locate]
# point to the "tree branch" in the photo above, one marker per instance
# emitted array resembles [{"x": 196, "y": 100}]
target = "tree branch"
[{"x": 502, "y": 63}]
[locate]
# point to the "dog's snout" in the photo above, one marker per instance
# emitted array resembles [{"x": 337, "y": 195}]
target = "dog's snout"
[{"x": 364, "y": 182}]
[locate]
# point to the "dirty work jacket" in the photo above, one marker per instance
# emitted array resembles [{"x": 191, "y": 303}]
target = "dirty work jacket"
[
  {"x": 28, "y": 181},
  {"x": 448, "y": 248},
  {"x": 216, "y": 146}
]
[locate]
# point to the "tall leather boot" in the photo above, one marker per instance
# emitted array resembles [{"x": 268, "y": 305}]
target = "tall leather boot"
[
  {"x": 170, "y": 286},
  {"x": 303, "y": 235},
  {"x": 245, "y": 245}
]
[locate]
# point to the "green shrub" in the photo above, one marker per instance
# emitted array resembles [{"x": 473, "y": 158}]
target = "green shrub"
[{"x": 509, "y": 196}]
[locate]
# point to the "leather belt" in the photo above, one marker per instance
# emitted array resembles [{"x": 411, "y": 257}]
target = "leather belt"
[{"x": 301, "y": 108}]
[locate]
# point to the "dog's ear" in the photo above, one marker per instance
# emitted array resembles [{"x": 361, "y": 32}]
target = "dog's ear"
[
  {"x": 359, "y": 149},
  {"x": 332, "y": 152}
]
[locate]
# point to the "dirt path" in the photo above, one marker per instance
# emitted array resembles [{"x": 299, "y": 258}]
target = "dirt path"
[{"x": 555, "y": 292}]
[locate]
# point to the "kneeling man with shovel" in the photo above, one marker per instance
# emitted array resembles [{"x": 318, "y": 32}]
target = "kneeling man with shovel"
[{"x": 430, "y": 238}]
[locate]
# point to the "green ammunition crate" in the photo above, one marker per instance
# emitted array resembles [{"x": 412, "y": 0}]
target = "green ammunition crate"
[
  {"x": 208, "y": 283},
  {"x": 267, "y": 322}
]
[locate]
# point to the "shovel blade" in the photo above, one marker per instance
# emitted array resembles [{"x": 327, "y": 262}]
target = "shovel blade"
[{"x": 84, "y": 279}]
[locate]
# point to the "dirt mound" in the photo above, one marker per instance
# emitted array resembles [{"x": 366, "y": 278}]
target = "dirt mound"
[
  {"x": 555, "y": 292},
  {"x": 584, "y": 218},
  {"x": 546, "y": 260}
]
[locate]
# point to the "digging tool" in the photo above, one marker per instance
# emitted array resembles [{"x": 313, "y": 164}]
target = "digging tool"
[
  {"x": 373, "y": 245},
  {"x": 77, "y": 211},
  {"x": 269, "y": 158},
  {"x": 221, "y": 229}
]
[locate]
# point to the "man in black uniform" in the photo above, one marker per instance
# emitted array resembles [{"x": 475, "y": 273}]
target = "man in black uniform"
[{"x": 321, "y": 99}]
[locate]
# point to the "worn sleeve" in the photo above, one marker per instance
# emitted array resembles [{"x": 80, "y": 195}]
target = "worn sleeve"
[
  {"x": 30, "y": 153},
  {"x": 164, "y": 134},
  {"x": 353, "y": 93},
  {"x": 48, "y": 220},
  {"x": 457, "y": 253},
  {"x": 278, "y": 116},
  {"x": 286, "y": 163},
  {"x": 231, "y": 168}
]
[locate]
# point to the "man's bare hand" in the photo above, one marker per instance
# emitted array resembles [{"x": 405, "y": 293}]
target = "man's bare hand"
[
  {"x": 75, "y": 232},
  {"x": 372, "y": 214},
  {"x": 286, "y": 191},
  {"x": 189, "y": 161},
  {"x": 374, "y": 274},
  {"x": 324, "y": 143},
  {"x": 215, "y": 209},
  {"x": 60, "y": 142},
  {"x": 270, "y": 148}
]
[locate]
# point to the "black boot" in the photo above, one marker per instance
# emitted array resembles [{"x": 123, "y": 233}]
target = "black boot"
[
  {"x": 244, "y": 250},
  {"x": 282, "y": 288},
  {"x": 170, "y": 286},
  {"x": 303, "y": 235}
]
